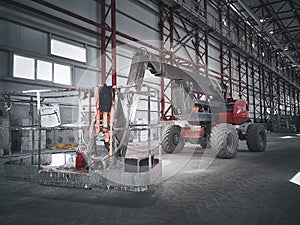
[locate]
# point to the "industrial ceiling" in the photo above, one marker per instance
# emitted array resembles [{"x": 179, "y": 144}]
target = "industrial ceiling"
[{"x": 279, "y": 21}]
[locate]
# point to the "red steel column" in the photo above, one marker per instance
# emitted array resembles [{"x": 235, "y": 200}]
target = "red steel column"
[
  {"x": 230, "y": 73},
  {"x": 247, "y": 83},
  {"x": 162, "y": 58},
  {"x": 221, "y": 62},
  {"x": 103, "y": 44},
  {"x": 206, "y": 51},
  {"x": 172, "y": 61},
  {"x": 171, "y": 22},
  {"x": 295, "y": 101},
  {"x": 261, "y": 88},
  {"x": 290, "y": 100},
  {"x": 263, "y": 95},
  {"x": 298, "y": 101},
  {"x": 272, "y": 105},
  {"x": 197, "y": 50},
  {"x": 284, "y": 98},
  {"x": 239, "y": 74},
  {"x": 206, "y": 40},
  {"x": 113, "y": 42},
  {"x": 253, "y": 90},
  {"x": 278, "y": 95}
]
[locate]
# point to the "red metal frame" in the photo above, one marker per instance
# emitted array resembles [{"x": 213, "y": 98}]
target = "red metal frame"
[
  {"x": 193, "y": 133},
  {"x": 171, "y": 44},
  {"x": 105, "y": 41}
]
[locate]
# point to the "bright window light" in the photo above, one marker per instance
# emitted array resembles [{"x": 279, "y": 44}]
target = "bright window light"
[
  {"x": 286, "y": 137},
  {"x": 62, "y": 74},
  {"x": 66, "y": 50},
  {"x": 296, "y": 179},
  {"x": 44, "y": 70},
  {"x": 23, "y": 67},
  {"x": 224, "y": 22}
]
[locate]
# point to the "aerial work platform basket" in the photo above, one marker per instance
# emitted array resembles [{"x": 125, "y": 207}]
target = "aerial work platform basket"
[{"x": 131, "y": 162}]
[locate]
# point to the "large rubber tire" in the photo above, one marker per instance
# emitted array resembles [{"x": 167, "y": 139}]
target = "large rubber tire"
[
  {"x": 256, "y": 138},
  {"x": 171, "y": 139},
  {"x": 224, "y": 141}
]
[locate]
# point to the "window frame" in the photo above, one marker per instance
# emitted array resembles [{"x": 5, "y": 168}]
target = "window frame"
[{"x": 71, "y": 45}]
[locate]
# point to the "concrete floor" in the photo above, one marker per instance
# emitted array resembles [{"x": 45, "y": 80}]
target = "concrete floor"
[{"x": 253, "y": 188}]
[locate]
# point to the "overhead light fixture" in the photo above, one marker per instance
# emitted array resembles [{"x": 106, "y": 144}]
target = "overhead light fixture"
[
  {"x": 286, "y": 48},
  {"x": 271, "y": 32},
  {"x": 263, "y": 19}
]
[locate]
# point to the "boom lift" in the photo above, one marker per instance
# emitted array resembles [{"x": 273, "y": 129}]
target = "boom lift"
[{"x": 204, "y": 115}]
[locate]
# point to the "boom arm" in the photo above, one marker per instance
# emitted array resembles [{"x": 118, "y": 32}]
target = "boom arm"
[
  {"x": 126, "y": 109},
  {"x": 184, "y": 88}
]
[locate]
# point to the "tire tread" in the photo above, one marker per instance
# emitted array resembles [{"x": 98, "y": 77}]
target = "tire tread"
[
  {"x": 217, "y": 139},
  {"x": 252, "y": 137},
  {"x": 166, "y": 145}
]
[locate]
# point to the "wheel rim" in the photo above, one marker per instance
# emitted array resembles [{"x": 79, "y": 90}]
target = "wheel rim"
[
  {"x": 175, "y": 139},
  {"x": 261, "y": 139},
  {"x": 229, "y": 141}
]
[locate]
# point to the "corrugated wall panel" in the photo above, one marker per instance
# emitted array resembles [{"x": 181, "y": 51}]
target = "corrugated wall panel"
[
  {"x": 24, "y": 38},
  {"x": 4, "y": 67}
]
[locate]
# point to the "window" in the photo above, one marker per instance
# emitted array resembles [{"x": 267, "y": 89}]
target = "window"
[
  {"x": 69, "y": 51},
  {"x": 23, "y": 67},
  {"x": 62, "y": 74},
  {"x": 44, "y": 70}
]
